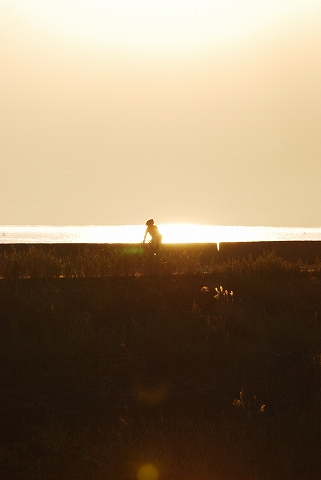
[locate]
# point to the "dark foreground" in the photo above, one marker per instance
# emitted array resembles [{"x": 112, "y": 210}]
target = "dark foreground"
[{"x": 164, "y": 376}]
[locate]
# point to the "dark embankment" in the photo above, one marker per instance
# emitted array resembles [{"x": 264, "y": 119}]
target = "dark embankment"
[
  {"x": 288, "y": 250},
  {"x": 307, "y": 251},
  {"x": 214, "y": 376}
]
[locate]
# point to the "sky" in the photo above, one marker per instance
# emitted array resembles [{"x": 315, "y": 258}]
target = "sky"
[{"x": 117, "y": 111}]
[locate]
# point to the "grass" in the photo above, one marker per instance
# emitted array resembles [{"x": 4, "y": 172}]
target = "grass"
[
  {"x": 91, "y": 261},
  {"x": 117, "y": 366}
]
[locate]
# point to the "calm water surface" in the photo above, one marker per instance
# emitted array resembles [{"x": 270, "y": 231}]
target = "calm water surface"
[{"x": 172, "y": 233}]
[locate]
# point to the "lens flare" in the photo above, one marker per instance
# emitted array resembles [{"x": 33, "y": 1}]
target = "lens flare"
[{"x": 147, "y": 472}]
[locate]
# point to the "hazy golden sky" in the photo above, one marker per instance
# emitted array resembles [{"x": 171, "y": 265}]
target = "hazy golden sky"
[{"x": 116, "y": 111}]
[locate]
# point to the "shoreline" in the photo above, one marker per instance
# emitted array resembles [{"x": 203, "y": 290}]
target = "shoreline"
[{"x": 306, "y": 251}]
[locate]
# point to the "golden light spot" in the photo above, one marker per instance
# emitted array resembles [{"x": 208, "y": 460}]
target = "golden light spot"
[{"x": 147, "y": 472}]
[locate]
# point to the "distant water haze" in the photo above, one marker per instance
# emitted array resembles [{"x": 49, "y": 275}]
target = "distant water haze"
[{"x": 172, "y": 233}]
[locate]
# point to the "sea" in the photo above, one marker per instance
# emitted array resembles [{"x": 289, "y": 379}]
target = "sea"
[{"x": 134, "y": 234}]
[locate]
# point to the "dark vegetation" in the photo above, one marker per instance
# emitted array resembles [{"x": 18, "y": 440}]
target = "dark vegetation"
[{"x": 111, "y": 360}]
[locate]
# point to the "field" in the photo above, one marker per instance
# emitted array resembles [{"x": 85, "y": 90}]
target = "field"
[{"x": 191, "y": 365}]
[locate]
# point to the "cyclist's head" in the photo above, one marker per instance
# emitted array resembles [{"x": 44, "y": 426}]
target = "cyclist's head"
[{"x": 150, "y": 222}]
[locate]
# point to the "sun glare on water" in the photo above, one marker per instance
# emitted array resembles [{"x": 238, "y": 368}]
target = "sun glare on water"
[
  {"x": 193, "y": 233},
  {"x": 180, "y": 233},
  {"x": 171, "y": 233}
]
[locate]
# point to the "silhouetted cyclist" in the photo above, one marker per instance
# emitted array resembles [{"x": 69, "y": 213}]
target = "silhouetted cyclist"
[{"x": 156, "y": 237}]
